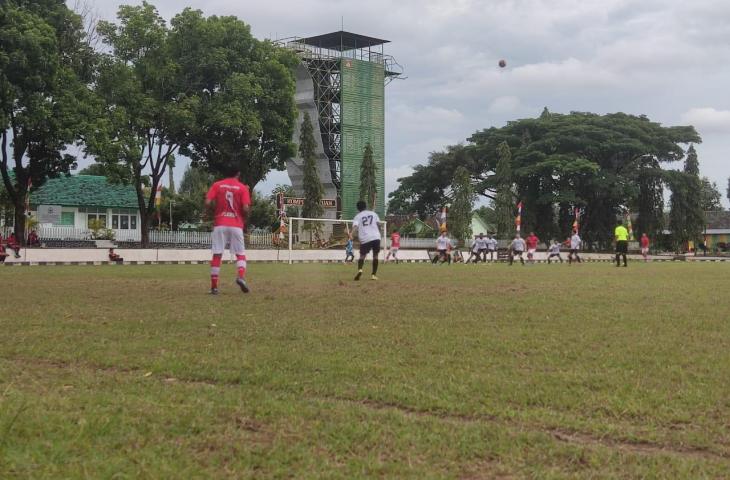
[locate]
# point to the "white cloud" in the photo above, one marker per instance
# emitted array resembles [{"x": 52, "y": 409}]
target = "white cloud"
[
  {"x": 661, "y": 58},
  {"x": 708, "y": 120}
]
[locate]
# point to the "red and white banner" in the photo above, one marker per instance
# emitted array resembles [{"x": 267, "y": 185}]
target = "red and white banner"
[{"x": 518, "y": 220}]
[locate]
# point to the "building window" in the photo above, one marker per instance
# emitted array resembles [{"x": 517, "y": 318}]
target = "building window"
[
  {"x": 124, "y": 222},
  {"x": 68, "y": 219},
  {"x": 90, "y": 217}
]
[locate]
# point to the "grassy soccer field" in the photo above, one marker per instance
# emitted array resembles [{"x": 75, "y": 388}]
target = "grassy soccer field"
[{"x": 431, "y": 372}]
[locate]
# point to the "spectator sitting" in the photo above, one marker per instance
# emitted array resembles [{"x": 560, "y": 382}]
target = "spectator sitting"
[
  {"x": 14, "y": 245},
  {"x": 113, "y": 257},
  {"x": 33, "y": 240}
]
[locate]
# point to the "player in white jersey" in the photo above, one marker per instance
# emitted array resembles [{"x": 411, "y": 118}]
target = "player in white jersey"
[
  {"x": 575, "y": 244},
  {"x": 491, "y": 247},
  {"x": 443, "y": 246},
  {"x": 517, "y": 248},
  {"x": 479, "y": 249},
  {"x": 365, "y": 224},
  {"x": 554, "y": 251}
]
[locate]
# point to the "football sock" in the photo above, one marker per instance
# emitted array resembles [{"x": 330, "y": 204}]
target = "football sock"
[
  {"x": 215, "y": 270},
  {"x": 360, "y": 263},
  {"x": 375, "y": 265},
  {"x": 241, "y": 264}
]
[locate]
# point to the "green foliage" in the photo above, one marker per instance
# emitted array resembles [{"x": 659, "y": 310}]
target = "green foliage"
[
  {"x": 263, "y": 212},
  {"x": 114, "y": 172},
  {"x": 423, "y": 192},
  {"x": 313, "y": 190},
  {"x": 488, "y": 215},
  {"x": 504, "y": 201},
  {"x": 244, "y": 111},
  {"x": 148, "y": 111},
  {"x": 462, "y": 204},
  {"x": 45, "y": 102},
  {"x": 99, "y": 231},
  {"x": 686, "y": 217},
  {"x": 711, "y": 196},
  {"x": 368, "y": 180},
  {"x": 602, "y": 163}
]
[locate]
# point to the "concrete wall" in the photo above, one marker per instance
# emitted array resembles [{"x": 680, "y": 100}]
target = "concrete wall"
[{"x": 69, "y": 255}]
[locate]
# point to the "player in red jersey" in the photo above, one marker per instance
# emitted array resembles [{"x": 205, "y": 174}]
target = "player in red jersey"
[
  {"x": 531, "y": 242},
  {"x": 645, "y": 247},
  {"x": 394, "y": 246},
  {"x": 230, "y": 200}
]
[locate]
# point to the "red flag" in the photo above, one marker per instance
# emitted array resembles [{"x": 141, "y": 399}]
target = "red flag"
[
  {"x": 576, "y": 222},
  {"x": 518, "y": 220}
]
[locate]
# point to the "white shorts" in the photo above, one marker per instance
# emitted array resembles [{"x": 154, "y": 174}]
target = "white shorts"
[
  {"x": 232, "y": 236},
  {"x": 531, "y": 251},
  {"x": 394, "y": 250},
  {"x": 644, "y": 250}
]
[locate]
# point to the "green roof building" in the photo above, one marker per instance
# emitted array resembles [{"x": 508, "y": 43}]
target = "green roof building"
[{"x": 74, "y": 201}]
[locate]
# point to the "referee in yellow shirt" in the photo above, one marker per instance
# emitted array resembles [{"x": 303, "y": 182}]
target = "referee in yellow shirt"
[{"x": 621, "y": 235}]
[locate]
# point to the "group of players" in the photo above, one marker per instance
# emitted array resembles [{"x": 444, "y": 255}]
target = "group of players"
[
  {"x": 487, "y": 246},
  {"x": 229, "y": 202}
]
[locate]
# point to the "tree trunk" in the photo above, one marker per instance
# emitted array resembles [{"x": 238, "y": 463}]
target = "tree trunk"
[
  {"x": 144, "y": 226},
  {"x": 20, "y": 219}
]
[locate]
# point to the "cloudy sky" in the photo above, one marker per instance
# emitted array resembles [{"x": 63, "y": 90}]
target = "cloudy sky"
[{"x": 668, "y": 59}]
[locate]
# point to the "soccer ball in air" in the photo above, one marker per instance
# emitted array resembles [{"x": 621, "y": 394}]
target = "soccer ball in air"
[{"x": 502, "y": 64}]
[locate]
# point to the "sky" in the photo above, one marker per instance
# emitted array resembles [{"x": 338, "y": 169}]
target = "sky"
[{"x": 667, "y": 59}]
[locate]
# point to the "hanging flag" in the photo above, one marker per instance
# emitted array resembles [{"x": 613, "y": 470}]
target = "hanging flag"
[
  {"x": 629, "y": 225},
  {"x": 27, "y": 196},
  {"x": 518, "y": 220},
  {"x": 158, "y": 196},
  {"x": 576, "y": 222},
  {"x": 442, "y": 227}
]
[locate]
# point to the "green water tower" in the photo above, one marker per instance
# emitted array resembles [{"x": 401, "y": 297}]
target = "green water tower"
[{"x": 341, "y": 83}]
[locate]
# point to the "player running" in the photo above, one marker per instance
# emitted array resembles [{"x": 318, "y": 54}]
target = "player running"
[
  {"x": 554, "y": 251},
  {"x": 230, "y": 202},
  {"x": 517, "y": 248},
  {"x": 349, "y": 256},
  {"x": 478, "y": 246},
  {"x": 575, "y": 244},
  {"x": 365, "y": 224},
  {"x": 394, "y": 246},
  {"x": 443, "y": 247},
  {"x": 645, "y": 246},
  {"x": 531, "y": 242}
]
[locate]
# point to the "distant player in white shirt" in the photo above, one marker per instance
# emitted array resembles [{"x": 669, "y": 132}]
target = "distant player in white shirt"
[
  {"x": 491, "y": 247},
  {"x": 554, "y": 251},
  {"x": 443, "y": 247},
  {"x": 365, "y": 224},
  {"x": 575, "y": 244},
  {"x": 517, "y": 248}
]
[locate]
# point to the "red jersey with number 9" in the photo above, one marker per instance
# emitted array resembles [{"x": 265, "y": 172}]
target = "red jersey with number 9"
[{"x": 230, "y": 196}]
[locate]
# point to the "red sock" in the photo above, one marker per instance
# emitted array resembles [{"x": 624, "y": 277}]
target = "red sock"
[
  {"x": 215, "y": 270},
  {"x": 241, "y": 264}
]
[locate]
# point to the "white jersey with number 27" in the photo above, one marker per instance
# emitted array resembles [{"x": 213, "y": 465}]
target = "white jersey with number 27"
[{"x": 366, "y": 223}]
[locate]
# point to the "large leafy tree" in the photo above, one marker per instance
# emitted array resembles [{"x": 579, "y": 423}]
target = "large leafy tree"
[
  {"x": 45, "y": 104},
  {"x": 504, "y": 200},
  {"x": 462, "y": 204},
  {"x": 686, "y": 216},
  {"x": 149, "y": 110},
  {"x": 711, "y": 196},
  {"x": 601, "y": 163},
  {"x": 368, "y": 181},
  {"x": 246, "y": 113},
  {"x": 313, "y": 190}
]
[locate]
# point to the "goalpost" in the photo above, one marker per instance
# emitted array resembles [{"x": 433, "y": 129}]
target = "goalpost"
[{"x": 332, "y": 234}]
